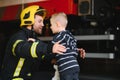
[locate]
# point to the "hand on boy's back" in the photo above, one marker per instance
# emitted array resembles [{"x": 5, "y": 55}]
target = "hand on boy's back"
[
  {"x": 82, "y": 52},
  {"x": 58, "y": 48}
]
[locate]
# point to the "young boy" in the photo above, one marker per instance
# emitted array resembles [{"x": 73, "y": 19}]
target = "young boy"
[{"x": 68, "y": 66}]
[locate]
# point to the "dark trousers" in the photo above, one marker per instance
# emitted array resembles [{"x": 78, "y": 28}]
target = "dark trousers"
[{"x": 70, "y": 76}]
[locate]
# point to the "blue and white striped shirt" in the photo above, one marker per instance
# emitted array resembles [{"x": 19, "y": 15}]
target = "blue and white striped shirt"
[{"x": 67, "y": 60}]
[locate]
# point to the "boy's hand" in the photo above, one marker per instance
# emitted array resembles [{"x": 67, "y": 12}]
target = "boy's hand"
[{"x": 31, "y": 39}]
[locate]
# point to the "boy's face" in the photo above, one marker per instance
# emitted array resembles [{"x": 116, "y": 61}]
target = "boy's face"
[{"x": 54, "y": 27}]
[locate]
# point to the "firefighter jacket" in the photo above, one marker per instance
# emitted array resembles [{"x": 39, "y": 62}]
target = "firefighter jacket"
[{"x": 22, "y": 54}]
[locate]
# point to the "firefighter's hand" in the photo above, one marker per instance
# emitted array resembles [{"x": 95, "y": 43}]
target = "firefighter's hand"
[
  {"x": 57, "y": 48},
  {"x": 82, "y": 52}
]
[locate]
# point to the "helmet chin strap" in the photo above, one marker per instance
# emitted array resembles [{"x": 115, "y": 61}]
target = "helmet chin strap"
[{"x": 33, "y": 32}]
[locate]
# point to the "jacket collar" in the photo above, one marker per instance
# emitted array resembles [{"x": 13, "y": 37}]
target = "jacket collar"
[{"x": 29, "y": 33}]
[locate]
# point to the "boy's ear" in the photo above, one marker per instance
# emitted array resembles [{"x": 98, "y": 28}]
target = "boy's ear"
[{"x": 58, "y": 23}]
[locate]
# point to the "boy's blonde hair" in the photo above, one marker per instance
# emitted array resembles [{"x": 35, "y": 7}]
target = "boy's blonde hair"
[{"x": 60, "y": 17}]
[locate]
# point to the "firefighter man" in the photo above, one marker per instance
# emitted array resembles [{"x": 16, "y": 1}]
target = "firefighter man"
[{"x": 24, "y": 47}]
